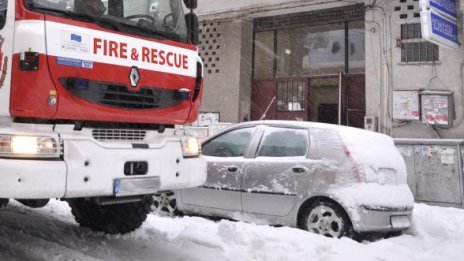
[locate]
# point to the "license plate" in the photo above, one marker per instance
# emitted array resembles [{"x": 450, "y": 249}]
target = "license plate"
[
  {"x": 400, "y": 222},
  {"x": 135, "y": 186}
]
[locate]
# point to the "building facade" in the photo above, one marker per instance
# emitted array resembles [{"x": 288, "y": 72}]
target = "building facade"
[{"x": 357, "y": 63}]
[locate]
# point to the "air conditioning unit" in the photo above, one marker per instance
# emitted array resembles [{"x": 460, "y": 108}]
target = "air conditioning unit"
[{"x": 371, "y": 123}]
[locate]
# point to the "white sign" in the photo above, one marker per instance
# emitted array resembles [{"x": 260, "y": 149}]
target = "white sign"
[{"x": 206, "y": 119}]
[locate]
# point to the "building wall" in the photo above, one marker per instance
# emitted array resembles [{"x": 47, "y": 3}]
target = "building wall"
[
  {"x": 224, "y": 48},
  {"x": 385, "y": 72},
  {"x": 226, "y": 42}
]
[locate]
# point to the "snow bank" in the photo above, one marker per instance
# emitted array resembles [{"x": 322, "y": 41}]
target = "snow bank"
[{"x": 50, "y": 233}]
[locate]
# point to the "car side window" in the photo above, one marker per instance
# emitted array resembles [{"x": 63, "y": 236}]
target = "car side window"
[
  {"x": 230, "y": 144},
  {"x": 283, "y": 142}
]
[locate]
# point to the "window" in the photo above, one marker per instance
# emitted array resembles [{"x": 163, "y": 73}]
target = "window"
[
  {"x": 291, "y": 96},
  {"x": 3, "y": 8},
  {"x": 264, "y": 55},
  {"x": 283, "y": 142},
  {"x": 413, "y": 48},
  {"x": 230, "y": 144}
]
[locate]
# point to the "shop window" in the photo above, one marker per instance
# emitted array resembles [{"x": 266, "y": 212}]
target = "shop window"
[
  {"x": 291, "y": 96},
  {"x": 414, "y": 48},
  {"x": 264, "y": 55}
]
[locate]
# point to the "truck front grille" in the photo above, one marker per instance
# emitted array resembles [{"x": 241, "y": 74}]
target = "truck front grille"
[
  {"x": 118, "y": 135},
  {"x": 118, "y": 95}
]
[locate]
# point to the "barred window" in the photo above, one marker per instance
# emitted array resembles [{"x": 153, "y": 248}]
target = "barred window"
[
  {"x": 291, "y": 96},
  {"x": 414, "y": 48}
]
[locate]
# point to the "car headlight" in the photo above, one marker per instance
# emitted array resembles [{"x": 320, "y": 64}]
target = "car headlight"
[
  {"x": 190, "y": 147},
  {"x": 22, "y": 146}
]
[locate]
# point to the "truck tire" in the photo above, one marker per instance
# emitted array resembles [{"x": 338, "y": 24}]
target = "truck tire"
[
  {"x": 4, "y": 202},
  {"x": 112, "y": 219}
]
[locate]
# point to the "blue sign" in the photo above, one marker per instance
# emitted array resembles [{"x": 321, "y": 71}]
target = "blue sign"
[
  {"x": 447, "y": 7},
  {"x": 444, "y": 28},
  {"x": 438, "y": 29},
  {"x": 74, "y": 62}
]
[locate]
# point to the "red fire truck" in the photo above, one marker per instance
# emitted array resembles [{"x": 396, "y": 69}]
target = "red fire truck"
[{"x": 90, "y": 92}]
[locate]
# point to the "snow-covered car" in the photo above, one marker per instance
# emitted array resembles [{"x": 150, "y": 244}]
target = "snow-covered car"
[{"x": 332, "y": 180}]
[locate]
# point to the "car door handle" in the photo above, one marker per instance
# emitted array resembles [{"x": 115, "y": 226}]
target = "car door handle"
[
  {"x": 299, "y": 169},
  {"x": 232, "y": 169}
]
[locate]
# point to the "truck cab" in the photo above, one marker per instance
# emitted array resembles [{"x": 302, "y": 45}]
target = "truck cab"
[{"x": 90, "y": 93}]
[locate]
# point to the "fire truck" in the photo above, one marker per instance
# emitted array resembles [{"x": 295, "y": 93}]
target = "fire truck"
[{"x": 90, "y": 92}]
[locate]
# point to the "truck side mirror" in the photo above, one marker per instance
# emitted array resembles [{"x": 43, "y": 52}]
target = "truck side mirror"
[
  {"x": 191, "y": 4},
  {"x": 193, "y": 27}
]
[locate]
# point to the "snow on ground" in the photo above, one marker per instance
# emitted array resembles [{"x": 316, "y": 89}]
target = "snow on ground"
[{"x": 50, "y": 233}]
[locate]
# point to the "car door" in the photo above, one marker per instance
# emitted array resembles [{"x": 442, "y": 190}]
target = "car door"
[
  {"x": 224, "y": 155},
  {"x": 269, "y": 185}
]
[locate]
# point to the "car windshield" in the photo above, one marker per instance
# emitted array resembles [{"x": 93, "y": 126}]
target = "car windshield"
[{"x": 157, "y": 17}]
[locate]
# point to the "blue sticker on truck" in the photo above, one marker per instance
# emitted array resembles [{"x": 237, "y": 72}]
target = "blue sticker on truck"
[{"x": 74, "y": 62}]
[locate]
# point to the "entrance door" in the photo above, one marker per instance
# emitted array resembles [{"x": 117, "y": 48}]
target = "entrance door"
[
  {"x": 317, "y": 99},
  {"x": 353, "y": 100}
]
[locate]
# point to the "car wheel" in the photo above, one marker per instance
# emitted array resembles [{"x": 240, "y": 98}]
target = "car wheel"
[
  {"x": 165, "y": 203},
  {"x": 326, "y": 218},
  {"x": 112, "y": 219}
]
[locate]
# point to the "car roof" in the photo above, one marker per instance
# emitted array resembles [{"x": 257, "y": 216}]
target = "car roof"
[{"x": 289, "y": 123}]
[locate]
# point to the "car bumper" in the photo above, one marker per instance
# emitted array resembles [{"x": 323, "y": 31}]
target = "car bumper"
[
  {"x": 383, "y": 219},
  {"x": 373, "y": 207}
]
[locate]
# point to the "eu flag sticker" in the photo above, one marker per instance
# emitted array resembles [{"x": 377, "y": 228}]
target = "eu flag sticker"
[{"x": 76, "y": 38}]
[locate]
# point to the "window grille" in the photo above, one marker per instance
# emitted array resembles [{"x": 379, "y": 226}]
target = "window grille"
[
  {"x": 291, "y": 96},
  {"x": 414, "y": 48}
]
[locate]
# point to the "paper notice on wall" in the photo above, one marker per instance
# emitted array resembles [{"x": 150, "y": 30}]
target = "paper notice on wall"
[{"x": 447, "y": 159}]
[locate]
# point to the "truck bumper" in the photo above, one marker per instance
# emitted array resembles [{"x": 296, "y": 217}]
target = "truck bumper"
[
  {"x": 92, "y": 168},
  {"x": 29, "y": 179}
]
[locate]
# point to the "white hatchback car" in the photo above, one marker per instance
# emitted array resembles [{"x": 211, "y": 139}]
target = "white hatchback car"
[{"x": 332, "y": 180}]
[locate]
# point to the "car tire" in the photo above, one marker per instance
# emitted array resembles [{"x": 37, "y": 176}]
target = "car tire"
[
  {"x": 326, "y": 218},
  {"x": 165, "y": 204},
  {"x": 118, "y": 218}
]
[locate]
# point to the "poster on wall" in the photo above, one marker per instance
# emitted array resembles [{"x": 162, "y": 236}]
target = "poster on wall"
[
  {"x": 405, "y": 105},
  {"x": 437, "y": 108}
]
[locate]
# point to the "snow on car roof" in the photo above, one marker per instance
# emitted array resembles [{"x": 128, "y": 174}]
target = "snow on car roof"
[{"x": 366, "y": 147}]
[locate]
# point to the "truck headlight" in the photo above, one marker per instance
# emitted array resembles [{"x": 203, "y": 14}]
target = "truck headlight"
[
  {"x": 190, "y": 147},
  {"x": 22, "y": 146}
]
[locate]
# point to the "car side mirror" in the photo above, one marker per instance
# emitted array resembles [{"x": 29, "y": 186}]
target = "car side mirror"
[
  {"x": 191, "y": 4},
  {"x": 193, "y": 27}
]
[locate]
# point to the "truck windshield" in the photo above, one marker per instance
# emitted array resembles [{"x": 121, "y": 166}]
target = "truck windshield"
[{"x": 148, "y": 17}]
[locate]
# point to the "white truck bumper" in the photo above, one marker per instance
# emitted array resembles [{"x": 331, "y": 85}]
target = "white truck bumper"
[
  {"x": 90, "y": 168},
  {"x": 28, "y": 179}
]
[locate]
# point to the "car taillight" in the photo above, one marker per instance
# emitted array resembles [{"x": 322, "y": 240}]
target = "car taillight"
[{"x": 358, "y": 173}]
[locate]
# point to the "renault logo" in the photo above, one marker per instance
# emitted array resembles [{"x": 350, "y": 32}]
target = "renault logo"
[{"x": 134, "y": 76}]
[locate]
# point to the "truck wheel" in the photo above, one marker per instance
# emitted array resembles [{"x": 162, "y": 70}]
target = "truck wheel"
[
  {"x": 112, "y": 219},
  {"x": 4, "y": 202}
]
